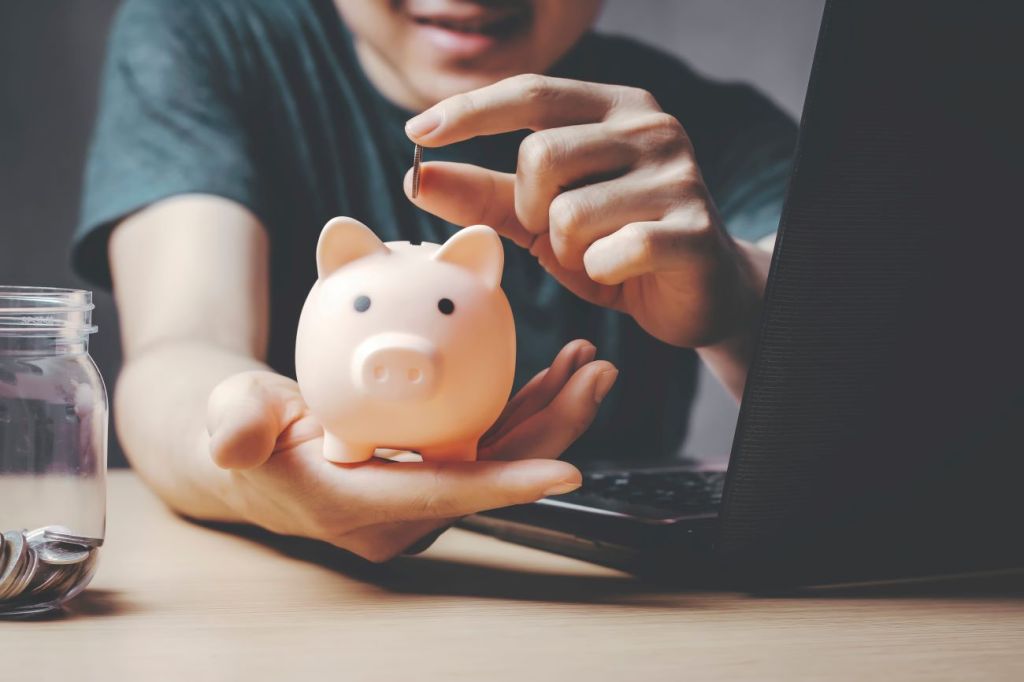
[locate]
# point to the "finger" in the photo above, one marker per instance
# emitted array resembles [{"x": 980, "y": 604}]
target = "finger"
[
  {"x": 579, "y": 217},
  {"x": 652, "y": 246},
  {"x": 526, "y": 101},
  {"x": 552, "y": 160},
  {"x": 521, "y": 395},
  {"x": 576, "y": 281},
  {"x": 549, "y": 432},
  {"x": 543, "y": 388},
  {"x": 464, "y": 194},
  {"x": 245, "y": 415},
  {"x": 415, "y": 491}
]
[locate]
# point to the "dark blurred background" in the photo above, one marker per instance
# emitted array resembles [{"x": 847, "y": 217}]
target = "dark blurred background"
[{"x": 51, "y": 52}]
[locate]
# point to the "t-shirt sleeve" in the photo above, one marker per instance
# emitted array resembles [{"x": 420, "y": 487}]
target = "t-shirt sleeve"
[
  {"x": 744, "y": 143},
  {"x": 170, "y": 121},
  {"x": 749, "y": 172}
]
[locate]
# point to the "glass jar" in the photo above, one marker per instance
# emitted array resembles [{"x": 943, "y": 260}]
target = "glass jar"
[{"x": 53, "y": 448}]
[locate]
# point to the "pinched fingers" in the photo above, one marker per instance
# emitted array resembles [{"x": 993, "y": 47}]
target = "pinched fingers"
[{"x": 465, "y": 194}]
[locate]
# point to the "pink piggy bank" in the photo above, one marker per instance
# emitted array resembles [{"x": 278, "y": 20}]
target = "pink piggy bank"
[{"x": 405, "y": 347}]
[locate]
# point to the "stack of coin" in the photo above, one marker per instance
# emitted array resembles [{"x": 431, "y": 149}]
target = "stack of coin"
[
  {"x": 417, "y": 159},
  {"x": 43, "y": 565}
]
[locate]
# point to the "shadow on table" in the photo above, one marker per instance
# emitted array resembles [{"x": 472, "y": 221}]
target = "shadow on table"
[
  {"x": 428, "y": 575},
  {"x": 1002, "y": 585},
  {"x": 90, "y": 604}
]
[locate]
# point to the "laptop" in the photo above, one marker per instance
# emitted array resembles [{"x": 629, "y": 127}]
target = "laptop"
[{"x": 881, "y": 432}]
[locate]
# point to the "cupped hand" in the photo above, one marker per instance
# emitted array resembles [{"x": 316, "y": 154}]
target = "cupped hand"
[
  {"x": 607, "y": 195},
  {"x": 262, "y": 432}
]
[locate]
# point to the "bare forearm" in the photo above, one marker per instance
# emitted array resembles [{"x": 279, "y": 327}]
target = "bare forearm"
[
  {"x": 730, "y": 358},
  {"x": 161, "y": 400}
]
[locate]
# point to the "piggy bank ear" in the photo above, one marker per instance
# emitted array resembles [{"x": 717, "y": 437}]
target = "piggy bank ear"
[
  {"x": 477, "y": 249},
  {"x": 342, "y": 241}
]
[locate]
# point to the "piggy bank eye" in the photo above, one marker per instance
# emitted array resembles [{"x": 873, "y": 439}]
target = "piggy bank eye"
[
  {"x": 446, "y": 306},
  {"x": 361, "y": 304}
]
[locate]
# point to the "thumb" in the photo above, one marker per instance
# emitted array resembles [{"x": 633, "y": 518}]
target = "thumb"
[
  {"x": 245, "y": 415},
  {"x": 465, "y": 194}
]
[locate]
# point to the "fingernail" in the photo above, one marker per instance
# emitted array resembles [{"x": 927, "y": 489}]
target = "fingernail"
[
  {"x": 421, "y": 125},
  {"x": 585, "y": 354},
  {"x": 605, "y": 381},
  {"x": 562, "y": 488}
]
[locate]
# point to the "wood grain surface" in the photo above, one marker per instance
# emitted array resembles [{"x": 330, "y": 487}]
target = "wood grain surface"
[{"x": 178, "y": 601}]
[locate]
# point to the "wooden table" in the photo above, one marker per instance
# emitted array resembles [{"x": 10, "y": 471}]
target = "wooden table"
[{"x": 178, "y": 601}]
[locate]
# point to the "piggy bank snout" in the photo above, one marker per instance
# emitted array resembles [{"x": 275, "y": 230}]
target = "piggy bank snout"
[{"x": 396, "y": 367}]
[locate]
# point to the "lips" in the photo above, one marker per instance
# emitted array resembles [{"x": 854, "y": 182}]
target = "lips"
[{"x": 479, "y": 20}]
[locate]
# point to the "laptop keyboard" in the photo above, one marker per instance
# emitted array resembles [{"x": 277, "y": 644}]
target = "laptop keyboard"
[{"x": 656, "y": 495}]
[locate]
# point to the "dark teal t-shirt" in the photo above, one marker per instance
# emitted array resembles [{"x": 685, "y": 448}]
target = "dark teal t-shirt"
[{"x": 264, "y": 102}]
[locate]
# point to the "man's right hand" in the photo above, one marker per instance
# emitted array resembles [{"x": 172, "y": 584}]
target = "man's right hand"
[{"x": 262, "y": 432}]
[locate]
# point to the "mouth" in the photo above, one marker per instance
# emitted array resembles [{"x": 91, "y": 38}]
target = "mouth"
[{"x": 470, "y": 33}]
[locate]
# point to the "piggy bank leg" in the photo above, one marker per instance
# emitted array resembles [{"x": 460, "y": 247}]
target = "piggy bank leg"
[
  {"x": 452, "y": 453},
  {"x": 341, "y": 452}
]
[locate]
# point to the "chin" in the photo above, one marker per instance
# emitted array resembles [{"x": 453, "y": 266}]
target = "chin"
[{"x": 437, "y": 86}]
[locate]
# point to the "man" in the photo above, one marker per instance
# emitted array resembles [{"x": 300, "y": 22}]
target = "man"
[{"x": 230, "y": 132}]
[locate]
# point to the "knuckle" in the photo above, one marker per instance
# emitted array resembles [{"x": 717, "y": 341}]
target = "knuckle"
[
  {"x": 631, "y": 97},
  {"x": 699, "y": 218},
  {"x": 681, "y": 180},
  {"x": 643, "y": 98},
  {"x": 662, "y": 129},
  {"x": 564, "y": 217},
  {"x": 539, "y": 91},
  {"x": 644, "y": 238},
  {"x": 461, "y": 104},
  {"x": 533, "y": 85},
  {"x": 536, "y": 153}
]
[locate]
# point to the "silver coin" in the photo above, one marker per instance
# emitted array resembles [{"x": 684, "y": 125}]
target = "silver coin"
[
  {"x": 28, "y": 570},
  {"x": 62, "y": 553},
  {"x": 417, "y": 159},
  {"x": 62, "y": 534},
  {"x": 71, "y": 578},
  {"x": 4, "y": 555},
  {"x": 47, "y": 577},
  {"x": 35, "y": 536},
  {"x": 14, "y": 565}
]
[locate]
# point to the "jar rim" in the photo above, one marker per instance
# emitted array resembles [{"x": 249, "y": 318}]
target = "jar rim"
[{"x": 45, "y": 311}]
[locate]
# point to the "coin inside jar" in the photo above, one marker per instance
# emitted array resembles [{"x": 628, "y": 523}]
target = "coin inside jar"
[
  {"x": 13, "y": 563},
  {"x": 28, "y": 571},
  {"x": 40, "y": 567},
  {"x": 62, "y": 534},
  {"x": 58, "y": 553}
]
